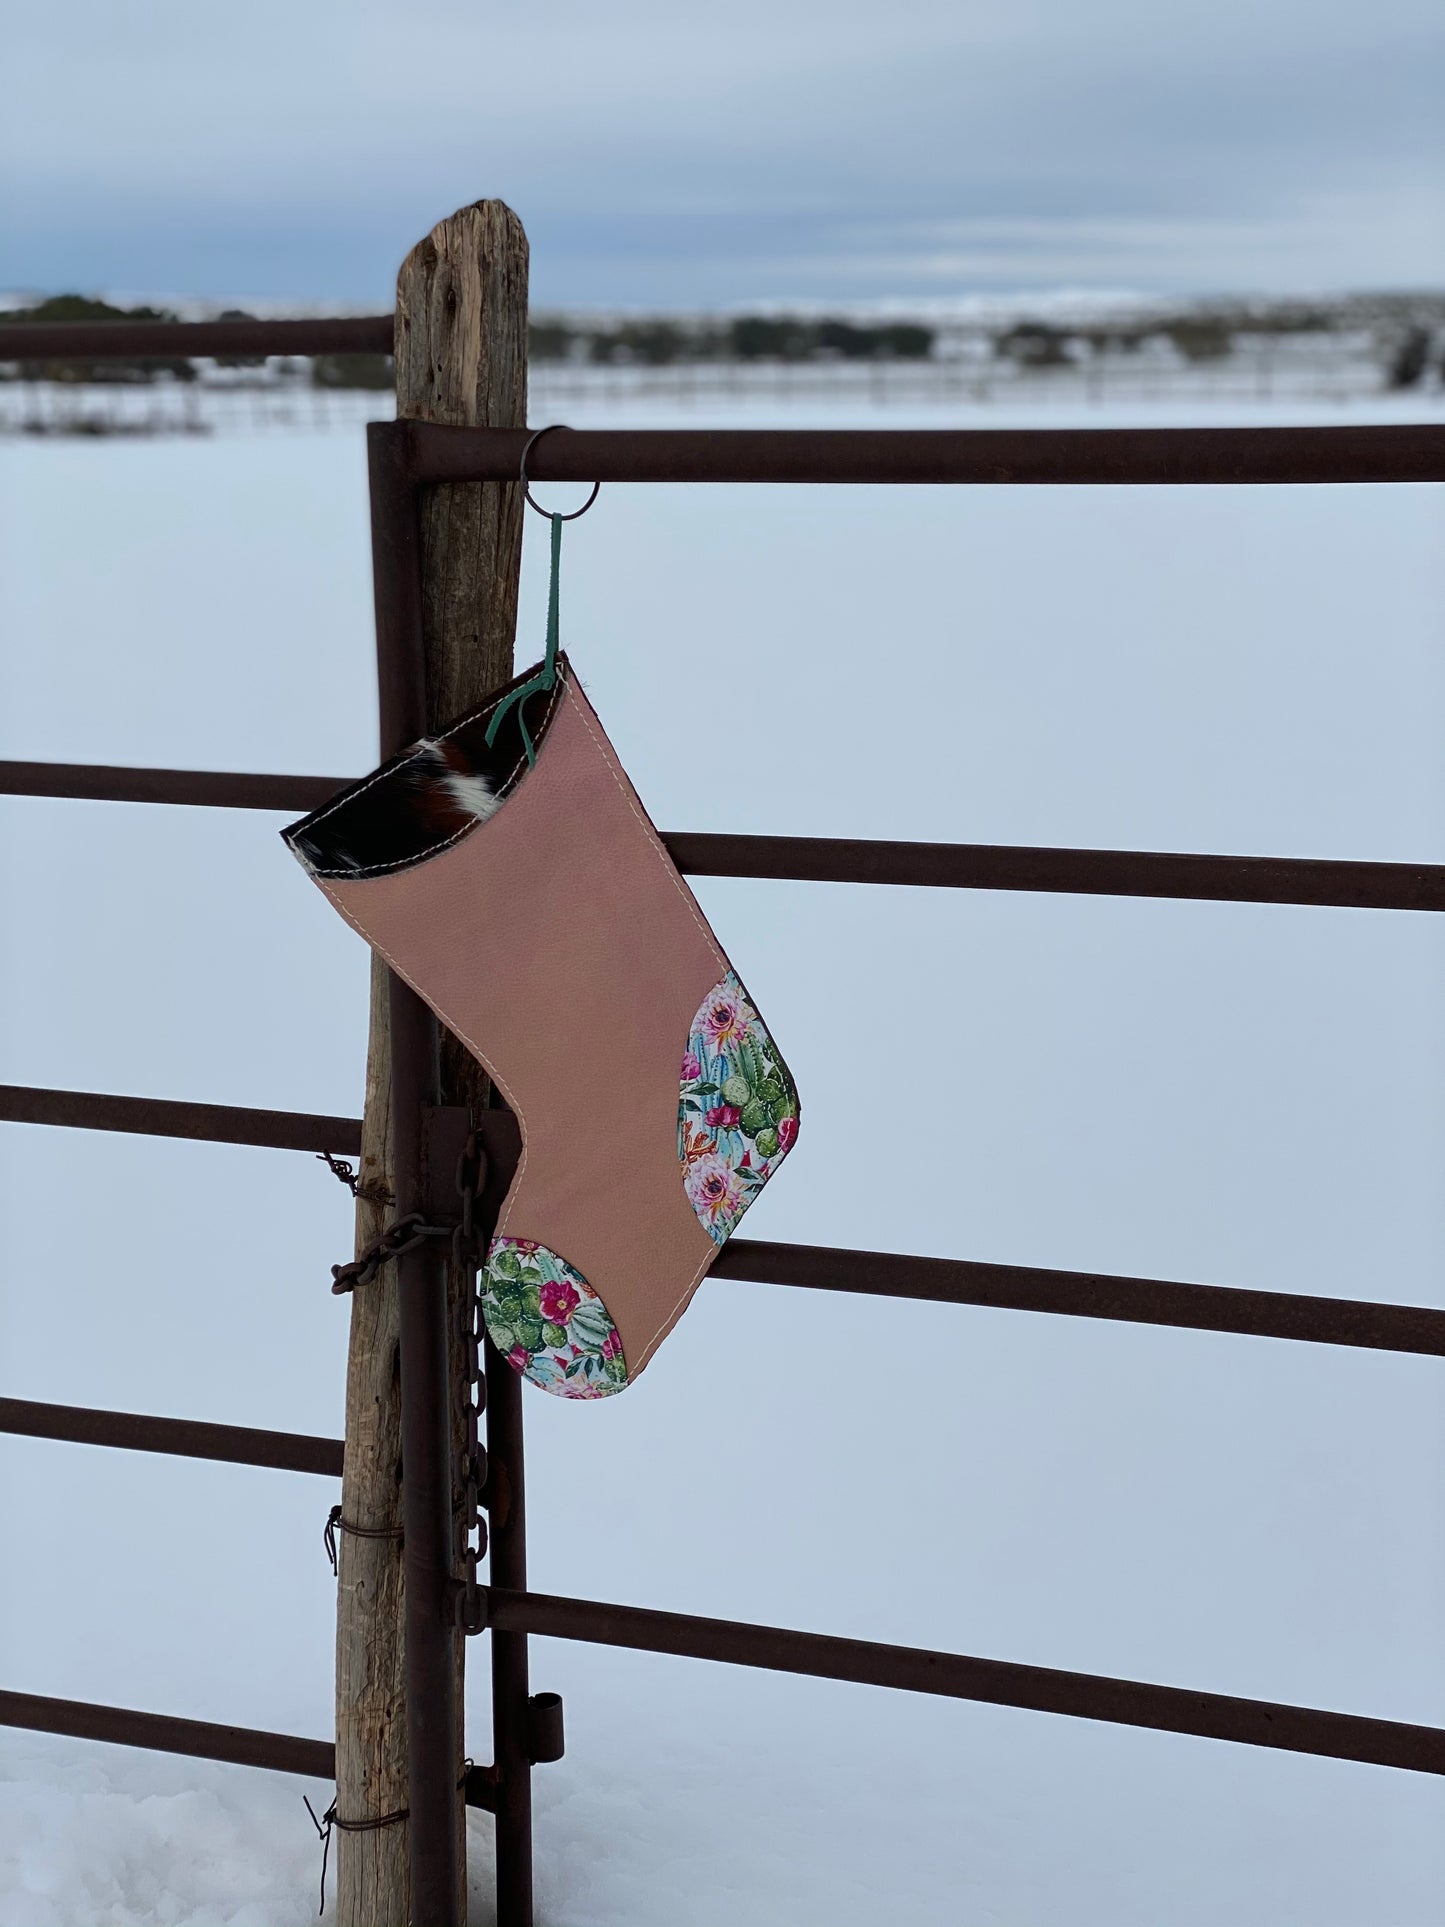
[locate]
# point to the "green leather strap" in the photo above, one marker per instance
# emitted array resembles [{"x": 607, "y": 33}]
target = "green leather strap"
[{"x": 546, "y": 676}]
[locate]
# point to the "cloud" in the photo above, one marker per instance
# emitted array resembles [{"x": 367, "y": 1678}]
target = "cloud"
[{"x": 664, "y": 155}]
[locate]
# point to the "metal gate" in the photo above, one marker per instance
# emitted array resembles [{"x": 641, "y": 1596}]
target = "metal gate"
[{"x": 404, "y": 458}]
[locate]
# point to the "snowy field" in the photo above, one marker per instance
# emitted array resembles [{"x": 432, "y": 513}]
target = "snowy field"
[
  {"x": 1244, "y": 1095},
  {"x": 1319, "y": 375}
]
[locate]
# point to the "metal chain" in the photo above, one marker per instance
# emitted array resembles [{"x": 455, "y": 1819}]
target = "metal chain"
[
  {"x": 471, "y": 1471},
  {"x": 399, "y": 1237}
]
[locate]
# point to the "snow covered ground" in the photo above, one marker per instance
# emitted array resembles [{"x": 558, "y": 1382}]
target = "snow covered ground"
[{"x": 1236, "y": 1094}]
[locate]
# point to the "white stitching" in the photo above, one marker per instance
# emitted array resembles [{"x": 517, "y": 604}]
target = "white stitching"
[
  {"x": 381, "y": 775},
  {"x": 712, "y": 1256},
  {"x": 651, "y": 834},
  {"x": 434, "y": 849},
  {"x": 350, "y": 795},
  {"x": 676, "y": 1311}
]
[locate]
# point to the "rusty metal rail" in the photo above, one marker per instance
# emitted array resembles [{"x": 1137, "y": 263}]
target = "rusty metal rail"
[
  {"x": 1090, "y": 1294},
  {"x": 1164, "y": 457},
  {"x": 166, "y": 1117},
  {"x": 194, "y": 1739},
  {"x": 1300, "y": 1316},
  {"x": 1310, "y": 881},
  {"x": 161, "y": 1733},
  {"x": 201, "y": 788},
  {"x": 96, "y": 340},
  {"x": 918, "y": 1669},
  {"x": 179, "y": 1437}
]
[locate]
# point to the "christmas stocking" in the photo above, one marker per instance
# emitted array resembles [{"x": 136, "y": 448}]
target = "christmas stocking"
[{"x": 508, "y": 872}]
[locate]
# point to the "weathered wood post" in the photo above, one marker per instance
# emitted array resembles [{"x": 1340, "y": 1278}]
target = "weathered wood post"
[{"x": 461, "y": 358}]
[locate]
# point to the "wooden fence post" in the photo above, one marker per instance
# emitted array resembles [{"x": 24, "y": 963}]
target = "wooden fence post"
[{"x": 461, "y": 358}]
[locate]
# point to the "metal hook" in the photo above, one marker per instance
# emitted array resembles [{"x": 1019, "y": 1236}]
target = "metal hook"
[{"x": 531, "y": 500}]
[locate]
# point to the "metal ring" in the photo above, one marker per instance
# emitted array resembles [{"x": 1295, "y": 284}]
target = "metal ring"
[{"x": 531, "y": 501}]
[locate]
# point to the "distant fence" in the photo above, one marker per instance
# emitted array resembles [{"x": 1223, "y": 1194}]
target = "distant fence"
[
  {"x": 1270, "y": 372},
  {"x": 239, "y": 401}
]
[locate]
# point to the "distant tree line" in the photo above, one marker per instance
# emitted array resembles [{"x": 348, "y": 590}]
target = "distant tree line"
[
  {"x": 656, "y": 342},
  {"x": 650, "y": 342},
  {"x": 1407, "y": 354},
  {"x": 324, "y": 371},
  {"x": 79, "y": 307},
  {"x": 1197, "y": 335},
  {"x": 1409, "y": 340}
]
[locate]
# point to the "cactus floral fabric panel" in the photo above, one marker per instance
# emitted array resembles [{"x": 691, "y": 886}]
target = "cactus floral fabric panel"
[
  {"x": 738, "y": 1111},
  {"x": 549, "y": 1323}
]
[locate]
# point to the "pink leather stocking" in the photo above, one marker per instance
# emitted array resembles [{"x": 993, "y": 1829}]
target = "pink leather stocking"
[{"x": 557, "y": 940}]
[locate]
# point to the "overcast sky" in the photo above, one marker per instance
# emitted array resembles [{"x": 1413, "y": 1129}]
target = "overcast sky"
[{"x": 673, "y": 156}]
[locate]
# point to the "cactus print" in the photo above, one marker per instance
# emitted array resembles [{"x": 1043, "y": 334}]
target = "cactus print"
[
  {"x": 548, "y": 1322},
  {"x": 737, "y": 1115}
]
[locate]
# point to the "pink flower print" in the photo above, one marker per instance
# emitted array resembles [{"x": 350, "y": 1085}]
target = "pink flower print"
[
  {"x": 519, "y": 1358},
  {"x": 526, "y": 1246},
  {"x": 787, "y": 1131},
  {"x": 713, "y": 1188},
  {"x": 724, "y": 1117},
  {"x": 612, "y": 1344},
  {"x": 691, "y": 1067},
  {"x": 559, "y": 1300},
  {"x": 725, "y": 1017}
]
